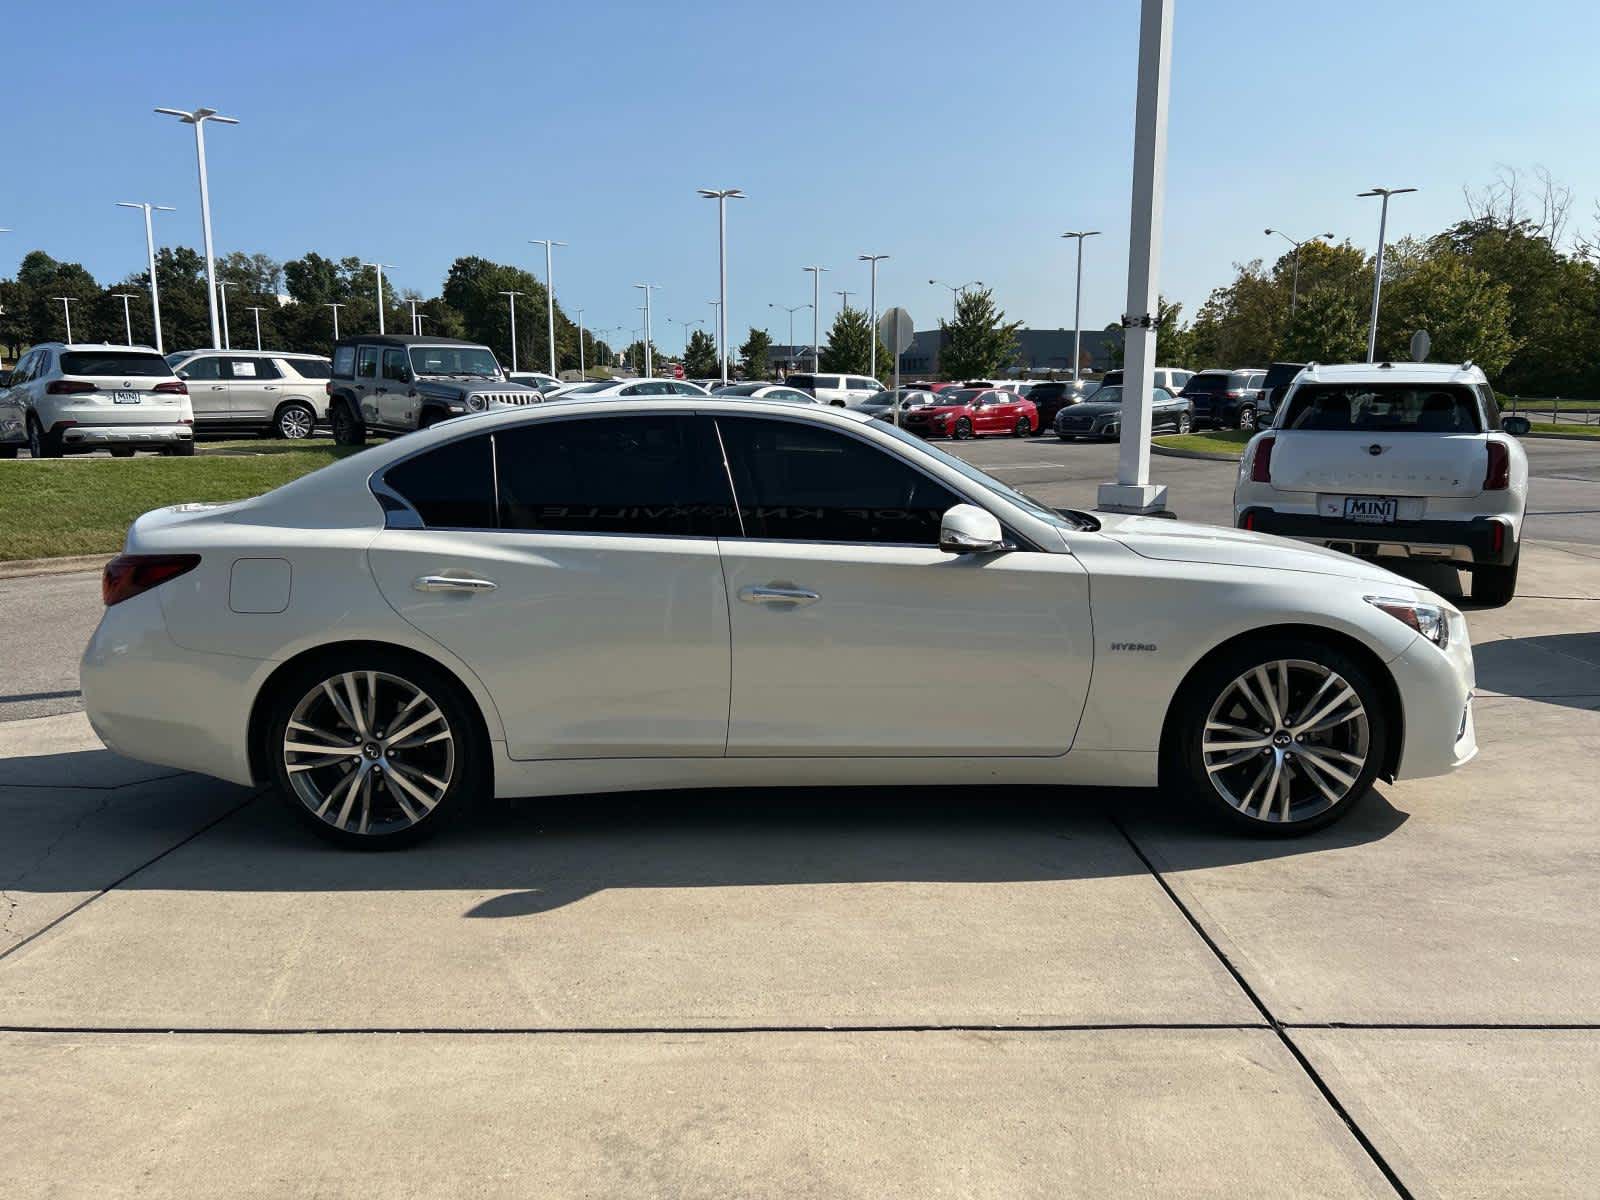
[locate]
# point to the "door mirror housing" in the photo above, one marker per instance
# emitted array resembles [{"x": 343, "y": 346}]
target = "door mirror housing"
[
  {"x": 968, "y": 529},
  {"x": 5, "y": 379},
  {"x": 1516, "y": 426}
]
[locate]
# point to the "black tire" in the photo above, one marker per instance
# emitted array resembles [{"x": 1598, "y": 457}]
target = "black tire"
[
  {"x": 1067, "y": 437},
  {"x": 962, "y": 430},
  {"x": 122, "y": 452},
  {"x": 40, "y": 443},
  {"x": 9, "y": 451},
  {"x": 1184, "y": 424},
  {"x": 179, "y": 449},
  {"x": 1247, "y": 417},
  {"x": 348, "y": 427},
  {"x": 1024, "y": 427},
  {"x": 294, "y": 421},
  {"x": 1494, "y": 587},
  {"x": 470, "y": 772},
  {"x": 1184, "y": 766}
]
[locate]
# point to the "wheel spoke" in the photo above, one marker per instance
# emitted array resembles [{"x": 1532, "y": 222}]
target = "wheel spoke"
[
  {"x": 1242, "y": 686},
  {"x": 339, "y": 706},
  {"x": 1338, "y": 719},
  {"x": 1309, "y": 768},
  {"x": 1264, "y": 682},
  {"x": 358, "y": 783},
  {"x": 1284, "y": 791},
  {"x": 402, "y": 776},
  {"x": 357, "y": 709},
  {"x": 443, "y": 735},
  {"x": 1328, "y": 681},
  {"x": 323, "y": 760},
  {"x": 313, "y": 748},
  {"x": 1345, "y": 693},
  {"x": 1229, "y": 760},
  {"x": 344, "y": 786},
  {"x": 366, "y": 801},
  {"x": 1226, "y": 747},
  {"x": 339, "y": 741},
  {"x": 422, "y": 722},
  {"x": 371, "y": 712},
  {"x": 1314, "y": 756}
]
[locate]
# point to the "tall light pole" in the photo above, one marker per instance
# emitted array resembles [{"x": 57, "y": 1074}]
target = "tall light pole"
[
  {"x": 1377, "y": 270},
  {"x": 844, "y": 300},
  {"x": 511, "y": 299},
  {"x": 722, "y": 196},
  {"x": 256, "y": 308},
  {"x": 872, "y": 353},
  {"x": 1133, "y": 491},
  {"x": 687, "y": 325},
  {"x": 549, "y": 292},
  {"x": 1294, "y": 287},
  {"x": 791, "y": 312},
  {"x": 583, "y": 371},
  {"x": 150, "y": 255},
  {"x": 647, "y": 288},
  {"x": 716, "y": 324},
  {"x": 127, "y": 316},
  {"x": 816, "y": 310},
  {"x": 222, "y": 287},
  {"x": 66, "y": 307},
  {"x": 336, "y": 308},
  {"x": 378, "y": 267},
  {"x": 416, "y": 325},
  {"x": 198, "y": 119},
  {"x": 1077, "y": 305},
  {"x": 955, "y": 291}
]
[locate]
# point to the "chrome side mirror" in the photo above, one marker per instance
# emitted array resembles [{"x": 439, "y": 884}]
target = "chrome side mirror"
[{"x": 968, "y": 529}]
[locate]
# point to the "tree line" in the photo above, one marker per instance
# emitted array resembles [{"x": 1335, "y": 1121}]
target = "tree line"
[{"x": 469, "y": 305}]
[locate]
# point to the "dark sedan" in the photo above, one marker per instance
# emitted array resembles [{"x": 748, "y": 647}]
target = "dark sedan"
[{"x": 1101, "y": 415}]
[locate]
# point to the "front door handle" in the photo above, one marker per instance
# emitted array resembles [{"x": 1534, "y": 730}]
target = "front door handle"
[
  {"x": 774, "y": 594},
  {"x": 452, "y": 583},
  {"x": 271, "y": 387}
]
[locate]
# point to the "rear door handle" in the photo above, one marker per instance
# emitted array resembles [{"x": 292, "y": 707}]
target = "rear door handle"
[
  {"x": 778, "y": 595},
  {"x": 452, "y": 583},
  {"x": 271, "y": 387}
]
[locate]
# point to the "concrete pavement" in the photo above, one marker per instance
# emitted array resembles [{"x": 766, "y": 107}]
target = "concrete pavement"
[{"x": 920, "y": 993}]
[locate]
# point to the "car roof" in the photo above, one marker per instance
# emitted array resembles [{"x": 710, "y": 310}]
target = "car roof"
[
  {"x": 250, "y": 353},
  {"x": 396, "y": 339},
  {"x": 1400, "y": 372},
  {"x": 68, "y": 347}
]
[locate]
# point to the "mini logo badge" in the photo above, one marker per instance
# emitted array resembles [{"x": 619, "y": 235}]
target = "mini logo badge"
[{"x": 1374, "y": 449}]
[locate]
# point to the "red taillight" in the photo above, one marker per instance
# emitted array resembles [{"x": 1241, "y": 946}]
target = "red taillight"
[
  {"x": 1497, "y": 537},
  {"x": 1261, "y": 465},
  {"x": 129, "y": 574},
  {"x": 1498, "y": 477},
  {"x": 173, "y": 387},
  {"x": 68, "y": 387},
  {"x": 1249, "y": 521}
]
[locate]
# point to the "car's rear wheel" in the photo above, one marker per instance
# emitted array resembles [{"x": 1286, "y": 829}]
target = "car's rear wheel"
[
  {"x": 348, "y": 428},
  {"x": 122, "y": 452},
  {"x": 963, "y": 429},
  {"x": 40, "y": 443},
  {"x": 1184, "y": 424},
  {"x": 1494, "y": 586},
  {"x": 184, "y": 449},
  {"x": 373, "y": 749},
  {"x": 1278, "y": 736},
  {"x": 8, "y": 451},
  {"x": 1024, "y": 427},
  {"x": 294, "y": 421},
  {"x": 1247, "y": 417}
]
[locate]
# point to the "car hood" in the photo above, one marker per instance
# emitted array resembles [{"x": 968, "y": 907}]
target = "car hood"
[
  {"x": 1181, "y": 541},
  {"x": 1092, "y": 408}
]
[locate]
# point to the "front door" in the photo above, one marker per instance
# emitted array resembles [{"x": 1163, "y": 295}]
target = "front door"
[
  {"x": 853, "y": 634},
  {"x": 397, "y": 402},
  {"x": 587, "y": 595},
  {"x": 210, "y": 392}
]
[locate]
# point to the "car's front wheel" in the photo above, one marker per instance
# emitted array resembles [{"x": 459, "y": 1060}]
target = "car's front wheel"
[
  {"x": 1278, "y": 736},
  {"x": 1184, "y": 424},
  {"x": 963, "y": 429},
  {"x": 1024, "y": 427},
  {"x": 374, "y": 750}
]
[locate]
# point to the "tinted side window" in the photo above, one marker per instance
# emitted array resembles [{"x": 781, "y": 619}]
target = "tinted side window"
[
  {"x": 451, "y": 487},
  {"x": 801, "y": 381},
  {"x": 1491, "y": 406},
  {"x": 202, "y": 368},
  {"x": 638, "y": 475},
  {"x": 344, "y": 361},
  {"x": 800, "y": 483},
  {"x": 256, "y": 368},
  {"x": 367, "y": 363},
  {"x": 394, "y": 366},
  {"x": 308, "y": 368}
]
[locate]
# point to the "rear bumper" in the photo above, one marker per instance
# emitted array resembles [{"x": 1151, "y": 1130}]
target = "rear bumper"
[
  {"x": 125, "y": 435},
  {"x": 1490, "y": 541}
]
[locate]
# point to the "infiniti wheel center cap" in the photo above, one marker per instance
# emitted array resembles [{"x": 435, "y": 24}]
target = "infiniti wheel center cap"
[
  {"x": 372, "y": 750},
  {"x": 1281, "y": 739}
]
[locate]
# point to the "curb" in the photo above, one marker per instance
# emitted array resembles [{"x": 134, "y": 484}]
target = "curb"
[
  {"x": 21, "y": 568},
  {"x": 1211, "y": 456},
  {"x": 1562, "y": 437}
]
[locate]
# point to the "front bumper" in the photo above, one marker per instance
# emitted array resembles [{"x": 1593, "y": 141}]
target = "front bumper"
[
  {"x": 1436, "y": 699},
  {"x": 1489, "y": 541}
]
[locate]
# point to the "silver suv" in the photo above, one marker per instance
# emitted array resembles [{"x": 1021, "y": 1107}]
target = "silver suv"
[
  {"x": 253, "y": 391},
  {"x": 386, "y": 384}
]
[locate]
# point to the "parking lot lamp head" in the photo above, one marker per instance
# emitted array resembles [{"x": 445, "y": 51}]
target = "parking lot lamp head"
[
  {"x": 511, "y": 299},
  {"x": 336, "y": 307},
  {"x": 816, "y": 309},
  {"x": 198, "y": 119},
  {"x": 549, "y": 294},
  {"x": 1294, "y": 285},
  {"x": 872, "y": 306},
  {"x": 66, "y": 307},
  {"x": 1077, "y": 303},
  {"x": 1377, "y": 267},
  {"x": 127, "y": 316},
  {"x": 256, "y": 308},
  {"x": 150, "y": 256},
  {"x": 722, "y": 196}
]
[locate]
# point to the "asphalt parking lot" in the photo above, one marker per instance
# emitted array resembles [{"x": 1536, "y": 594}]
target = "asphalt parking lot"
[{"x": 946, "y": 992}]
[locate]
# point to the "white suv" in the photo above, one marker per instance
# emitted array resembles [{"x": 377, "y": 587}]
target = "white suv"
[
  {"x": 71, "y": 398},
  {"x": 1397, "y": 460},
  {"x": 250, "y": 391},
  {"x": 841, "y": 391}
]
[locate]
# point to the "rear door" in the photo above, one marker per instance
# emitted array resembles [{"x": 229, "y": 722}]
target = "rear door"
[
  {"x": 210, "y": 389},
  {"x": 587, "y": 594},
  {"x": 367, "y": 383},
  {"x": 253, "y": 390}
]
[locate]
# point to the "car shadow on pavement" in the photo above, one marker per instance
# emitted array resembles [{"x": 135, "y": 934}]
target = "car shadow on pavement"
[{"x": 1553, "y": 668}]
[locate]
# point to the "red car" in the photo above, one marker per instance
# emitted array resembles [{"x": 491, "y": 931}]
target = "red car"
[{"x": 973, "y": 412}]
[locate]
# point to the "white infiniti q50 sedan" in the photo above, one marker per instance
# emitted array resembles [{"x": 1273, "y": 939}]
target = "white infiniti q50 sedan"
[{"x": 652, "y": 594}]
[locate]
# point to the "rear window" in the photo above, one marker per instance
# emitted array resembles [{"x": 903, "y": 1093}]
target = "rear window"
[
  {"x": 801, "y": 381},
  {"x": 1206, "y": 383},
  {"x": 344, "y": 361},
  {"x": 114, "y": 362},
  {"x": 310, "y": 368},
  {"x": 1382, "y": 408},
  {"x": 1279, "y": 374},
  {"x": 1047, "y": 391},
  {"x": 1111, "y": 377}
]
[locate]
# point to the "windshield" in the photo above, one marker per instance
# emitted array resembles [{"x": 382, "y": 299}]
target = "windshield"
[
  {"x": 1062, "y": 520},
  {"x": 1108, "y": 395},
  {"x": 1382, "y": 408},
  {"x": 454, "y": 360}
]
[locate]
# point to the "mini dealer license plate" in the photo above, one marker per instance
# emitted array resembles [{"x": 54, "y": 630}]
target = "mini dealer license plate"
[
  {"x": 125, "y": 397},
  {"x": 1370, "y": 510}
]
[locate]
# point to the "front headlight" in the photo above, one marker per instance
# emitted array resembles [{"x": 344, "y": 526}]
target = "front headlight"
[
  {"x": 477, "y": 403},
  {"x": 1431, "y": 621}
]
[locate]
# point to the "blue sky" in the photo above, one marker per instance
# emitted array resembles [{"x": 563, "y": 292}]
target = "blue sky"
[{"x": 959, "y": 139}]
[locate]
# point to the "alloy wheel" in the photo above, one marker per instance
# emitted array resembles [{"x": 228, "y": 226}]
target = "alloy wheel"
[
  {"x": 1286, "y": 741},
  {"x": 369, "y": 753},
  {"x": 295, "y": 422},
  {"x": 1184, "y": 423},
  {"x": 1247, "y": 418}
]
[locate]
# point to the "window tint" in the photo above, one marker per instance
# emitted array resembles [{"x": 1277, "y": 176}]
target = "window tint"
[
  {"x": 114, "y": 362},
  {"x": 630, "y": 474},
  {"x": 801, "y": 381},
  {"x": 309, "y": 368},
  {"x": 1491, "y": 405},
  {"x": 1205, "y": 383},
  {"x": 205, "y": 368},
  {"x": 367, "y": 363},
  {"x": 451, "y": 487},
  {"x": 798, "y": 482},
  {"x": 394, "y": 366},
  {"x": 255, "y": 368},
  {"x": 344, "y": 361},
  {"x": 1382, "y": 408}
]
